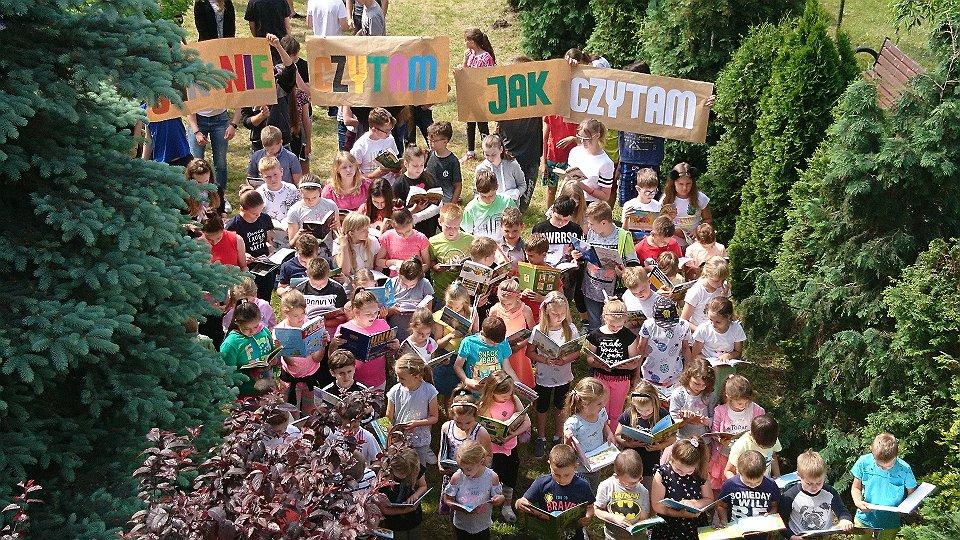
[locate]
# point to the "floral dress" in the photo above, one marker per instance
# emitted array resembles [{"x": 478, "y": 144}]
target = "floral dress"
[{"x": 679, "y": 487}]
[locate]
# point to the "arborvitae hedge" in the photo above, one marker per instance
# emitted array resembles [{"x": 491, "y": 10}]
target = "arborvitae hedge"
[
  {"x": 551, "y": 27},
  {"x": 615, "y": 32}
]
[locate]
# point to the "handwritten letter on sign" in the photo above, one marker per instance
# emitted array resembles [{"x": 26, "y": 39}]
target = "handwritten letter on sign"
[
  {"x": 647, "y": 104},
  {"x": 378, "y": 71},
  {"x": 252, "y": 84},
  {"x": 522, "y": 90}
]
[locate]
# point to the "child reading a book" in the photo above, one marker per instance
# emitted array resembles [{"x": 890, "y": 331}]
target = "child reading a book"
[
  {"x": 670, "y": 264},
  {"x": 593, "y": 162},
  {"x": 600, "y": 282},
  {"x": 614, "y": 345},
  {"x": 356, "y": 247},
  {"x": 683, "y": 478},
  {"x": 464, "y": 425},
  {"x": 667, "y": 338},
  {"x": 421, "y": 196},
  {"x": 482, "y": 354},
  {"x": 474, "y": 486},
  {"x": 645, "y": 412},
  {"x": 535, "y": 252},
  {"x": 646, "y": 186},
  {"x": 510, "y": 179},
  {"x": 485, "y": 253},
  {"x": 512, "y": 246},
  {"x": 324, "y": 296},
  {"x": 247, "y": 341},
  {"x": 412, "y": 404},
  {"x": 749, "y": 493},
  {"x": 693, "y": 401},
  {"x": 560, "y": 490},
  {"x": 378, "y": 140},
  {"x": 347, "y": 188},
  {"x": 306, "y": 247},
  {"x": 553, "y": 375},
  {"x": 705, "y": 247},
  {"x": 457, "y": 299},
  {"x": 402, "y": 243},
  {"x": 622, "y": 499},
  {"x": 733, "y": 416},
  {"x": 659, "y": 240},
  {"x": 278, "y": 196},
  {"x": 365, "y": 311},
  {"x": 297, "y": 370},
  {"x": 379, "y": 206},
  {"x": 411, "y": 290},
  {"x": 311, "y": 207},
  {"x": 442, "y": 164},
  {"x": 812, "y": 504},
  {"x": 720, "y": 339},
  {"x": 516, "y": 317},
  {"x": 247, "y": 290},
  {"x": 499, "y": 402},
  {"x": 410, "y": 484},
  {"x": 448, "y": 248},
  {"x": 764, "y": 438},
  {"x": 638, "y": 298},
  {"x": 481, "y": 217},
  {"x": 281, "y": 430},
  {"x": 560, "y": 229},
  {"x": 420, "y": 340},
  {"x": 255, "y": 228},
  {"x": 343, "y": 369},
  {"x": 712, "y": 283},
  {"x": 881, "y": 478},
  {"x": 226, "y": 247},
  {"x": 681, "y": 191},
  {"x": 586, "y": 427}
]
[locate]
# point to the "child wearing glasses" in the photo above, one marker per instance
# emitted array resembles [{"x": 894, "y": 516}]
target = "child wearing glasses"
[{"x": 378, "y": 140}]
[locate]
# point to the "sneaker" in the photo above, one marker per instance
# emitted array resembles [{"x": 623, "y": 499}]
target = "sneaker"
[
  {"x": 556, "y": 440},
  {"x": 507, "y": 512},
  {"x": 468, "y": 156},
  {"x": 539, "y": 447}
]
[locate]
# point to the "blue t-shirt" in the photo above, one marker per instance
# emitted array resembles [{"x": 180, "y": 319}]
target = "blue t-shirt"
[
  {"x": 169, "y": 140},
  {"x": 289, "y": 270},
  {"x": 883, "y": 487},
  {"x": 482, "y": 359},
  {"x": 746, "y": 501},
  {"x": 545, "y": 493},
  {"x": 289, "y": 162},
  {"x": 641, "y": 149}
]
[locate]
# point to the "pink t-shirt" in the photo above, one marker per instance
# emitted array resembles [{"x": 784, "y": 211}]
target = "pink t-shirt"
[
  {"x": 700, "y": 253},
  {"x": 477, "y": 59},
  {"x": 348, "y": 202},
  {"x": 297, "y": 366},
  {"x": 372, "y": 373},
  {"x": 401, "y": 248},
  {"x": 502, "y": 412}
]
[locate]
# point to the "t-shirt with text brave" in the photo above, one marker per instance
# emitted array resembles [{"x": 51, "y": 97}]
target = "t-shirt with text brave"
[{"x": 545, "y": 493}]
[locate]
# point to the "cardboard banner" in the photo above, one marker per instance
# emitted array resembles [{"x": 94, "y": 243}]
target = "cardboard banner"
[
  {"x": 647, "y": 104},
  {"x": 522, "y": 90},
  {"x": 253, "y": 84},
  {"x": 378, "y": 71}
]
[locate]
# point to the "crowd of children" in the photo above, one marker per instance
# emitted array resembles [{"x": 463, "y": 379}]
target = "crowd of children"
[{"x": 621, "y": 322}]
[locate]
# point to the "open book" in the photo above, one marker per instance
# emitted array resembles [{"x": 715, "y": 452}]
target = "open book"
[
  {"x": 263, "y": 264},
  {"x": 320, "y": 226},
  {"x": 381, "y": 428},
  {"x": 639, "y": 220},
  {"x": 542, "y": 279},
  {"x": 677, "y": 505},
  {"x": 599, "y": 457},
  {"x": 597, "y": 255},
  {"x": 304, "y": 340},
  {"x": 548, "y": 348},
  {"x": 479, "y": 278},
  {"x": 910, "y": 503},
  {"x": 661, "y": 431},
  {"x": 439, "y": 356},
  {"x": 332, "y": 395},
  {"x": 519, "y": 337},
  {"x": 573, "y": 174},
  {"x": 743, "y": 527},
  {"x": 612, "y": 365},
  {"x": 411, "y": 504},
  {"x": 389, "y": 161},
  {"x": 500, "y": 431},
  {"x": 367, "y": 346},
  {"x": 551, "y": 524},
  {"x": 264, "y": 361},
  {"x": 715, "y": 362},
  {"x": 458, "y": 322},
  {"x": 469, "y": 507},
  {"x": 386, "y": 294},
  {"x": 634, "y": 528},
  {"x": 659, "y": 280},
  {"x": 447, "y": 461},
  {"x": 430, "y": 196},
  {"x": 525, "y": 392},
  {"x": 818, "y": 533}
]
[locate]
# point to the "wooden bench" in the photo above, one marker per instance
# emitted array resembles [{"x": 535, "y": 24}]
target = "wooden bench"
[{"x": 891, "y": 71}]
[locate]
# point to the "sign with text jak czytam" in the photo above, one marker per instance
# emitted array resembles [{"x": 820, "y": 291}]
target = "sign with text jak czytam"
[{"x": 252, "y": 82}]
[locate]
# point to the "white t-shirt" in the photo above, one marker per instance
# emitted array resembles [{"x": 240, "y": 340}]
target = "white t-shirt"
[
  {"x": 597, "y": 169},
  {"x": 361, "y": 256},
  {"x": 740, "y": 421},
  {"x": 698, "y": 296},
  {"x": 300, "y": 212},
  {"x": 664, "y": 360},
  {"x": 366, "y": 151},
  {"x": 276, "y": 204},
  {"x": 644, "y": 305},
  {"x": 553, "y": 376},
  {"x": 683, "y": 205},
  {"x": 715, "y": 343},
  {"x": 325, "y": 16}
]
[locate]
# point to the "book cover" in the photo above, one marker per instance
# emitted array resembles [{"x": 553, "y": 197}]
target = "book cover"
[
  {"x": 540, "y": 279},
  {"x": 431, "y": 196},
  {"x": 573, "y": 174},
  {"x": 499, "y": 431},
  {"x": 724, "y": 438},
  {"x": 609, "y": 364},
  {"x": 386, "y": 294},
  {"x": 479, "y": 278},
  {"x": 458, "y": 322},
  {"x": 550, "y": 349},
  {"x": 518, "y": 337},
  {"x": 440, "y": 359},
  {"x": 659, "y": 280},
  {"x": 662, "y": 430},
  {"x": 367, "y": 346},
  {"x": 639, "y": 220},
  {"x": 552, "y": 524},
  {"x": 381, "y": 428},
  {"x": 599, "y": 457},
  {"x": 634, "y": 528},
  {"x": 264, "y": 361},
  {"x": 742, "y": 527},
  {"x": 526, "y": 393},
  {"x": 304, "y": 340},
  {"x": 320, "y": 226},
  {"x": 389, "y": 161}
]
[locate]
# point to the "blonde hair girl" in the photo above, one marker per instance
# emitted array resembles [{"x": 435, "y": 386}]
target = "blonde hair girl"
[
  {"x": 553, "y": 375},
  {"x": 644, "y": 410},
  {"x": 575, "y": 191},
  {"x": 712, "y": 283},
  {"x": 463, "y": 426},
  {"x": 586, "y": 426},
  {"x": 500, "y": 402},
  {"x": 413, "y": 403},
  {"x": 474, "y": 484},
  {"x": 516, "y": 316},
  {"x": 355, "y": 248},
  {"x": 593, "y": 161},
  {"x": 347, "y": 187}
]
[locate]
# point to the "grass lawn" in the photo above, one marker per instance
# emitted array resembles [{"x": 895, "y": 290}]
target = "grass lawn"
[{"x": 867, "y": 21}]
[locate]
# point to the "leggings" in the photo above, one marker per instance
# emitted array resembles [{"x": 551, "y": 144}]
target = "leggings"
[
  {"x": 472, "y": 128},
  {"x": 507, "y": 467},
  {"x": 464, "y": 535},
  {"x": 311, "y": 381}
]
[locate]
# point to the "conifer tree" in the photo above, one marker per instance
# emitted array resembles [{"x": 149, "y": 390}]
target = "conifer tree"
[
  {"x": 98, "y": 275},
  {"x": 552, "y": 27},
  {"x": 615, "y": 31},
  {"x": 807, "y": 79}
]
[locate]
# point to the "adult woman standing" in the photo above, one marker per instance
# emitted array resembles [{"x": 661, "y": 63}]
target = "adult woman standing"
[{"x": 215, "y": 19}]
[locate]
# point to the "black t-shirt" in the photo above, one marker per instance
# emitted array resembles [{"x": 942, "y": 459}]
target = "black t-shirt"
[
  {"x": 400, "y": 493},
  {"x": 559, "y": 237},
  {"x": 650, "y": 458},
  {"x": 401, "y": 190},
  {"x": 613, "y": 348},
  {"x": 269, "y": 16},
  {"x": 523, "y": 138},
  {"x": 330, "y": 297},
  {"x": 254, "y": 234}
]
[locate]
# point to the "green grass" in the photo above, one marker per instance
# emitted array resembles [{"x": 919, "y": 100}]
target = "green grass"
[{"x": 867, "y": 22}]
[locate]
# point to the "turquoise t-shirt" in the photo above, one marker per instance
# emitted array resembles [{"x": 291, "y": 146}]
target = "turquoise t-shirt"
[
  {"x": 238, "y": 349},
  {"x": 481, "y": 359},
  {"x": 883, "y": 487}
]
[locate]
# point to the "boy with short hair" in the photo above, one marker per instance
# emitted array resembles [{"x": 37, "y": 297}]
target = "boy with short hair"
[
  {"x": 881, "y": 478},
  {"x": 481, "y": 217},
  {"x": 764, "y": 438},
  {"x": 312, "y": 206},
  {"x": 638, "y": 296},
  {"x": 811, "y": 504},
  {"x": 278, "y": 196},
  {"x": 272, "y": 141},
  {"x": 376, "y": 141},
  {"x": 323, "y": 294},
  {"x": 600, "y": 283},
  {"x": 750, "y": 492},
  {"x": 306, "y": 247},
  {"x": 450, "y": 245},
  {"x": 622, "y": 498},
  {"x": 560, "y": 229},
  {"x": 442, "y": 164},
  {"x": 343, "y": 368},
  {"x": 511, "y": 222},
  {"x": 561, "y": 490},
  {"x": 646, "y": 189},
  {"x": 535, "y": 251},
  {"x": 482, "y": 354}
]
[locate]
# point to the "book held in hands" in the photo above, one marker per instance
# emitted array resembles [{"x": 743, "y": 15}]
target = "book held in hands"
[
  {"x": 677, "y": 505},
  {"x": 500, "y": 430},
  {"x": 304, "y": 340},
  {"x": 550, "y": 349},
  {"x": 412, "y": 503},
  {"x": 458, "y": 322},
  {"x": 749, "y": 525},
  {"x": 264, "y": 361},
  {"x": 660, "y": 432},
  {"x": 608, "y": 363},
  {"x": 634, "y": 528},
  {"x": 480, "y": 278},
  {"x": 599, "y": 457},
  {"x": 639, "y": 220},
  {"x": 546, "y": 524},
  {"x": 597, "y": 255},
  {"x": 263, "y": 265},
  {"x": 541, "y": 279},
  {"x": 367, "y": 346},
  {"x": 910, "y": 503}
]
